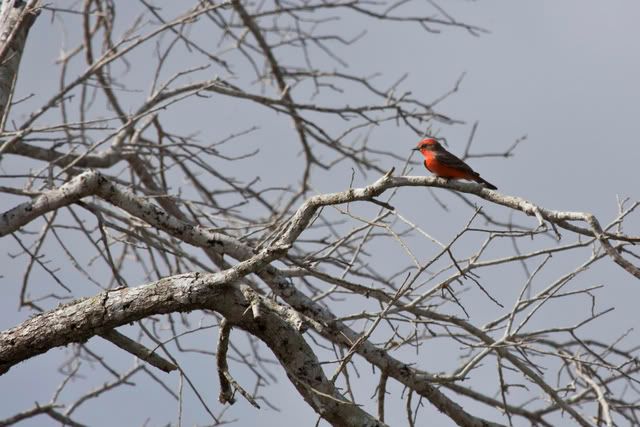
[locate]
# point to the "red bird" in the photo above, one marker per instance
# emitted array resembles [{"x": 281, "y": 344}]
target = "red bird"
[{"x": 445, "y": 165}]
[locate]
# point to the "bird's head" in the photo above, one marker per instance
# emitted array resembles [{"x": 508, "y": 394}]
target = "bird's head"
[{"x": 428, "y": 144}]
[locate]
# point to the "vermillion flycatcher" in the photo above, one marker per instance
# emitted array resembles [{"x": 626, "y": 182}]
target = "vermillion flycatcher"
[{"x": 444, "y": 164}]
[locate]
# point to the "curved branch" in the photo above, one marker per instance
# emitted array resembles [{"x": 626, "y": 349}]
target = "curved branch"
[{"x": 85, "y": 318}]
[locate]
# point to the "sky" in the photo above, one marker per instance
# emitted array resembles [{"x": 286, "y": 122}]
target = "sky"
[{"x": 562, "y": 73}]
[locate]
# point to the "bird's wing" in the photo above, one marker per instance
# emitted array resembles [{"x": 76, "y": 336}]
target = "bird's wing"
[{"x": 448, "y": 159}]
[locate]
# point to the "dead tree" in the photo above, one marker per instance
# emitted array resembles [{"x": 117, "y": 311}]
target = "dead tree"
[{"x": 123, "y": 223}]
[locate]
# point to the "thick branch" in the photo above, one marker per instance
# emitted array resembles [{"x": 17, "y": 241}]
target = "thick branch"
[
  {"x": 82, "y": 319},
  {"x": 16, "y": 17}
]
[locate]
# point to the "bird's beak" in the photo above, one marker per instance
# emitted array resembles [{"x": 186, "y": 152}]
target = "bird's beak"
[{"x": 415, "y": 149}]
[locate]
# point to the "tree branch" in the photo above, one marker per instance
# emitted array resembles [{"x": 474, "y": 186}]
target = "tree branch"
[{"x": 82, "y": 319}]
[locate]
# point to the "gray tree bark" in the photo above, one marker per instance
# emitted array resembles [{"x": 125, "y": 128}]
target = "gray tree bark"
[{"x": 16, "y": 18}]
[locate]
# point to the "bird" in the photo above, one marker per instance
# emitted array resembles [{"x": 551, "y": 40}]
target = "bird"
[{"x": 445, "y": 165}]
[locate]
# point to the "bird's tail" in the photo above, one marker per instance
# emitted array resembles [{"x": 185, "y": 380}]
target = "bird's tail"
[{"x": 486, "y": 183}]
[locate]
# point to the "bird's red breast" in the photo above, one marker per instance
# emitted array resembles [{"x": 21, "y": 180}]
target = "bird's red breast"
[{"x": 431, "y": 162}]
